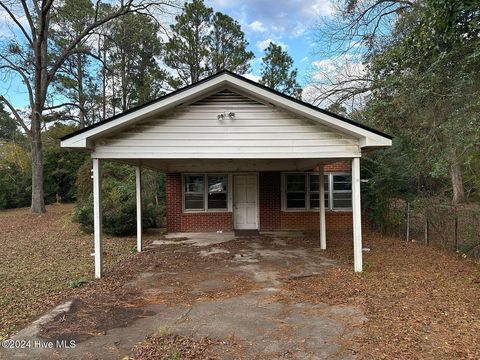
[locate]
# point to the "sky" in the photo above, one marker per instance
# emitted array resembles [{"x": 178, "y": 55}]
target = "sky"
[{"x": 288, "y": 23}]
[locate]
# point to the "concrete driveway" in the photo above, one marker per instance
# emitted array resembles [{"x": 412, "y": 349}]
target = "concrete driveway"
[{"x": 221, "y": 286}]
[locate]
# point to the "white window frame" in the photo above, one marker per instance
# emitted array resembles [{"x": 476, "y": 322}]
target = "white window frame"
[
  {"x": 332, "y": 191},
  {"x": 307, "y": 192},
  {"x": 205, "y": 193}
]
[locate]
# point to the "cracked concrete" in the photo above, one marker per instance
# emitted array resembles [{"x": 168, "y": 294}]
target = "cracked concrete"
[{"x": 266, "y": 327}]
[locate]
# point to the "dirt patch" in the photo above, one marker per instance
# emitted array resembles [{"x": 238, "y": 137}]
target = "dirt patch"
[
  {"x": 168, "y": 347},
  {"x": 420, "y": 302}
]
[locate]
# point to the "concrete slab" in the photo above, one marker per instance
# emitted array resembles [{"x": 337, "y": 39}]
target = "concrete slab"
[
  {"x": 267, "y": 328},
  {"x": 196, "y": 239},
  {"x": 213, "y": 251},
  {"x": 32, "y": 330}
]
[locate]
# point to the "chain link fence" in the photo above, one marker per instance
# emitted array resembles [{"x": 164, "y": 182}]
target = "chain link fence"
[{"x": 433, "y": 223}]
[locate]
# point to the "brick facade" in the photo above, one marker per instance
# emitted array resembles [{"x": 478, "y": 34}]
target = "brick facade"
[
  {"x": 272, "y": 217},
  {"x": 190, "y": 222}
]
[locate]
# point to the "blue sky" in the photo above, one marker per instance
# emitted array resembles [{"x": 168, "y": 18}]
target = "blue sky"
[{"x": 285, "y": 22}]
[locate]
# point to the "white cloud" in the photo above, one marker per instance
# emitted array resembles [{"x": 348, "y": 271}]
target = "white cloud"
[
  {"x": 283, "y": 18},
  {"x": 257, "y": 26},
  {"x": 252, "y": 77},
  {"x": 325, "y": 66},
  {"x": 262, "y": 45},
  {"x": 8, "y": 28}
]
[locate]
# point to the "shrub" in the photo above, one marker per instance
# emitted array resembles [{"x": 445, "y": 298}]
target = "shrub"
[{"x": 119, "y": 200}]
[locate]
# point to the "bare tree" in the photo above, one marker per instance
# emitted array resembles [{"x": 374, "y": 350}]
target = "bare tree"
[
  {"x": 342, "y": 80},
  {"x": 28, "y": 55},
  {"x": 357, "y": 30}
]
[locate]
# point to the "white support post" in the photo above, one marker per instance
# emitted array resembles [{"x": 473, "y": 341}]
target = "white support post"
[
  {"x": 97, "y": 216},
  {"x": 357, "y": 215},
  {"x": 323, "y": 232},
  {"x": 138, "y": 187}
]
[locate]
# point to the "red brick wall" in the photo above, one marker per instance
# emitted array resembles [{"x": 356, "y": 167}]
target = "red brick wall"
[
  {"x": 338, "y": 166},
  {"x": 270, "y": 200},
  {"x": 173, "y": 190},
  {"x": 177, "y": 221},
  {"x": 273, "y": 218},
  {"x": 271, "y": 215}
]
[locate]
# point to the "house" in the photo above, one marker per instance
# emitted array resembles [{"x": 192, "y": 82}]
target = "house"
[{"x": 237, "y": 155}]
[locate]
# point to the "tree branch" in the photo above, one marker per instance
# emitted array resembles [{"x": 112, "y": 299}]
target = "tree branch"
[
  {"x": 15, "y": 20},
  {"x": 69, "y": 49},
  {"x": 29, "y": 19},
  {"x": 124, "y": 9},
  {"x": 23, "y": 74},
  {"x": 53, "y": 107},
  {"x": 15, "y": 113},
  {"x": 89, "y": 53}
]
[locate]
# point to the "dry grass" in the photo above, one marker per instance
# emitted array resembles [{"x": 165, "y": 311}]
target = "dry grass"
[
  {"x": 172, "y": 347},
  {"x": 422, "y": 303},
  {"x": 41, "y": 255}
]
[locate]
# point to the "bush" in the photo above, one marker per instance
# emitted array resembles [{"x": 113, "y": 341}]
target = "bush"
[
  {"x": 15, "y": 176},
  {"x": 119, "y": 200}
]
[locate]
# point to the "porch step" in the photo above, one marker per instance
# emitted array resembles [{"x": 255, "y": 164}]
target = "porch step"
[{"x": 247, "y": 233}]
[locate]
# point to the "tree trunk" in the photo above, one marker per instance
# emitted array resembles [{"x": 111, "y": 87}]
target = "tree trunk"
[
  {"x": 104, "y": 79},
  {"x": 457, "y": 183},
  {"x": 123, "y": 79},
  {"x": 40, "y": 94},
  {"x": 114, "y": 101},
  {"x": 38, "y": 201},
  {"x": 81, "y": 94}
]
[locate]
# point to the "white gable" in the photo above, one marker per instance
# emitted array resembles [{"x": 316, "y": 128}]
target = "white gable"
[
  {"x": 266, "y": 125},
  {"x": 256, "y": 130}
]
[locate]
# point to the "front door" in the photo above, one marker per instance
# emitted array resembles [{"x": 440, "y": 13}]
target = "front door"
[{"x": 245, "y": 207}]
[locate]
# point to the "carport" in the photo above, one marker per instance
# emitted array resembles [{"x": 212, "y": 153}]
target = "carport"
[{"x": 227, "y": 124}]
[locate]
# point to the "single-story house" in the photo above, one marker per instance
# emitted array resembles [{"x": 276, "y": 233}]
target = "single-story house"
[{"x": 237, "y": 155}]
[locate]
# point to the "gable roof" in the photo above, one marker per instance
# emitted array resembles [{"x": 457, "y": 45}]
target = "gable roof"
[{"x": 371, "y": 137}]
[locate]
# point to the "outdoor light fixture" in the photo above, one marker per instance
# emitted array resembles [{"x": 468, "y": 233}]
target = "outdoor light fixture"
[{"x": 225, "y": 115}]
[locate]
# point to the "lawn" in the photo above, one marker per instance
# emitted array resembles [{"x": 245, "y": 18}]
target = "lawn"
[
  {"x": 420, "y": 302},
  {"x": 43, "y": 257}
]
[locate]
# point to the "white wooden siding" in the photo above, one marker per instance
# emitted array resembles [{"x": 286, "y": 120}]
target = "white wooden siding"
[{"x": 258, "y": 131}]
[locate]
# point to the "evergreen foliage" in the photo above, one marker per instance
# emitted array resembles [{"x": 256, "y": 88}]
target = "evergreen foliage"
[{"x": 277, "y": 72}]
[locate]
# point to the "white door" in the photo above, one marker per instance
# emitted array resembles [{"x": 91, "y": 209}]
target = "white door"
[{"x": 245, "y": 209}]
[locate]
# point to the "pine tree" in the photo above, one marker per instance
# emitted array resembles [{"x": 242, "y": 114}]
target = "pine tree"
[
  {"x": 277, "y": 72},
  {"x": 204, "y": 43},
  {"x": 228, "y": 46},
  {"x": 132, "y": 60}
]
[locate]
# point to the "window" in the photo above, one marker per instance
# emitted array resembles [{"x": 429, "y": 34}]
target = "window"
[
  {"x": 194, "y": 190},
  {"x": 204, "y": 192},
  {"x": 295, "y": 184},
  {"x": 314, "y": 186},
  {"x": 342, "y": 191},
  {"x": 302, "y": 191},
  {"x": 217, "y": 191}
]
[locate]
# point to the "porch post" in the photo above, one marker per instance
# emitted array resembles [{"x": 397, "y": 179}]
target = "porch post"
[
  {"x": 323, "y": 234},
  {"x": 357, "y": 216},
  {"x": 97, "y": 215},
  {"x": 138, "y": 189}
]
